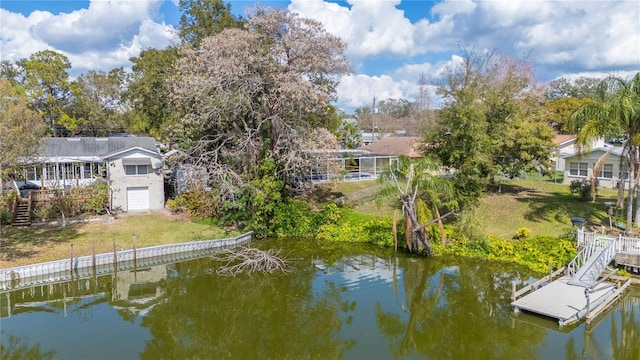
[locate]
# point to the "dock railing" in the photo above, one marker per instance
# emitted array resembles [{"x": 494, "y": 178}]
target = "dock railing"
[
  {"x": 624, "y": 245},
  {"x": 92, "y": 265}
]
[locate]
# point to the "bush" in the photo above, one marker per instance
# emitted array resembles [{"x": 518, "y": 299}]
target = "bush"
[
  {"x": 582, "y": 188},
  {"x": 522, "y": 233},
  {"x": 535, "y": 253},
  {"x": 199, "y": 203},
  {"x": 5, "y": 216},
  {"x": 44, "y": 211},
  {"x": 98, "y": 199},
  {"x": 293, "y": 218},
  {"x": 348, "y": 225}
]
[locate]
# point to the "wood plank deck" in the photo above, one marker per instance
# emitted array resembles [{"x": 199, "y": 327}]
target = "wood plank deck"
[{"x": 561, "y": 301}]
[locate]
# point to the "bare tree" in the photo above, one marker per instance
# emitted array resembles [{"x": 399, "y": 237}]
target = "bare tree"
[{"x": 257, "y": 94}]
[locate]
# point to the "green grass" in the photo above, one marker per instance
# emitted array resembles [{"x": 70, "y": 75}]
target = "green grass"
[
  {"x": 20, "y": 246},
  {"x": 542, "y": 206}
]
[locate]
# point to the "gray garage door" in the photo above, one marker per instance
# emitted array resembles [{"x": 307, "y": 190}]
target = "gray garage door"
[{"x": 137, "y": 198}]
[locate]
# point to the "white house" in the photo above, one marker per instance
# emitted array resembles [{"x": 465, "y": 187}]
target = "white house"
[
  {"x": 566, "y": 146},
  {"x": 580, "y": 166},
  {"x": 132, "y": 166}
]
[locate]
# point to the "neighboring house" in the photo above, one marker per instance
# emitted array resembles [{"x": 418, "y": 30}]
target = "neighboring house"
[
  {"x": 566, "y": 146},
  {"x": 394, "y": 145},
  {"x": 132, "y": 166},
  {"x": 580, "y": 166},
  {"x": 368, "y": 161}
]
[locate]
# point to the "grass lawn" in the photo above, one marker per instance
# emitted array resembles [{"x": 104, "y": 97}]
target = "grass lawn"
[
  {"x": 542, "y": 206},
  {"x": 38, "y": 243}
]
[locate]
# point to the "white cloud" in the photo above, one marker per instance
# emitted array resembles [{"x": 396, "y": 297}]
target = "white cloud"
[
  {"x": 561, "y": 38},
  {"x": 370, "y": 28},
  {"x": 101, "y": 37}
]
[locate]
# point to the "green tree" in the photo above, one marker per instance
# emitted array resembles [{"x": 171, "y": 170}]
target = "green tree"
[
  {"x": 149, "y": 92},
  {"x": 97, "y": 109},
  {"x": 20, "y": 128},
  {"x": 618, "y": 114},
  {"x": 203, "y": 18},
  {"x": 580, "y": 88},
  {"x": 348, "y": 134},
  {"x": 48, "y": 87},
  {"x": 259, "y": 94},
  {"x": 490, "y": 123},
  {"x": 558, "y": 111}
]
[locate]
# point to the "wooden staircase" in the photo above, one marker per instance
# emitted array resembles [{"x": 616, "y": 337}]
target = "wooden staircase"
[{"x": 21, "y": 212}]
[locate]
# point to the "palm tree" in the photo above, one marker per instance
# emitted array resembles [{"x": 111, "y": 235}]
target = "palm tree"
[
  {"x": 421, "y": 193},
  {"x": 616, "y": 112}
]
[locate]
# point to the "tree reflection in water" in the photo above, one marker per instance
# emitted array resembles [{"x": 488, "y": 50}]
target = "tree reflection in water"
[
  {"x": 423, "y": 308},
  {"x": 274, "y": 316},
  {"x": 458, "y": 312}
]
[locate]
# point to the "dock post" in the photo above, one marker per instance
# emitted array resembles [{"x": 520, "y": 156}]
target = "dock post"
[
  {"x": 586, "y": 295},
  {"x": 135, "y": 258},
  {"x": 115, "y": 256},
  {"x": 550, "y": 271},
  {"x": 71, "y": 259},
  {"x": 93, "y": 257},
  {"x": 513, "y": 291}
]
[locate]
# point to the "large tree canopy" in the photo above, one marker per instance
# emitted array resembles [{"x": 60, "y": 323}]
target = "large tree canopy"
[
  {"x": 256, "y": 95},
  {"x": 490, "y": 123},
  {"x": 20, "y": 128},
  {"x": 48, "y": 87},
  {"x": 149, "y": 91},
  {"x": 203, "y": 18},
  {"x": 98, "y": 109}
]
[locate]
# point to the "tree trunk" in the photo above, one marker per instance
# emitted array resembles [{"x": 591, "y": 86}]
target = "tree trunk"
[
  {"x": 416, "y": 236},
  {"x": 631, "y": 193},
  {"x": 440, "y": 224}
]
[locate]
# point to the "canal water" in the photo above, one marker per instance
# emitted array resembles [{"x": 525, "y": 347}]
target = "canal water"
[{"x": 338, "y": 301}]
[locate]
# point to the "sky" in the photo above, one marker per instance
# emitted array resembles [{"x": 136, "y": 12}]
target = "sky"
[{"x": 390, "y": 43}]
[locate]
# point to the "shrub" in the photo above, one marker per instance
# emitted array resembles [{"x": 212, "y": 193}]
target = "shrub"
[
  {"x": 522, "y": 233},
  {"x": 352, "y": 226},
  {"x": 582, "y": 188},
  {"x": 97, "y": 199},
  {"x": 44, "y": 211},
  {"x": 292, "y": 218},
  {"x": 536, "y": 252},
  {"x": 199, "y": 203},
  {"x": 178, "y": 204},
  {"x": 5, "y": 216}
]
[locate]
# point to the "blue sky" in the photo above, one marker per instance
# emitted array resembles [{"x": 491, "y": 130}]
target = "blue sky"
[{"x": 390, "y": 42}]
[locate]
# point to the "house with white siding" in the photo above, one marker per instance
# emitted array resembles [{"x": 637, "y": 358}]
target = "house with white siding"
[
  {"x": 581, "y": 166},
  {"x": 131, "y": 166}
]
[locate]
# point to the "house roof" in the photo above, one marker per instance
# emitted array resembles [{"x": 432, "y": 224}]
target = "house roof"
[
  {"x": 562, "y": 139},
  {"x": 615, "y": 150},
  {"x": 395, "y": 145},
  {"x": 94, "y": 147}
]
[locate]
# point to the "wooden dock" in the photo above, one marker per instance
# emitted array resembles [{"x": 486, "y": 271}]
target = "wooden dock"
[
  {"x": 581, "y": 292},
  {"x": 564, "y": 302}
]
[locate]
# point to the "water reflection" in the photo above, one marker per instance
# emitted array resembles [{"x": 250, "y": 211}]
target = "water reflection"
[{"x": 341, "y": 302}]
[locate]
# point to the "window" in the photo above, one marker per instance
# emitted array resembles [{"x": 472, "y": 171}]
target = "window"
[
  {"x": 578, "y": 169},
  {"x": 607, "y": 171},
  {"x": 67, "y": 171},
  {"x": 50, "y": 171},
  {"x": 87, "y": 171},
  {"x": 136, "y": 169}
]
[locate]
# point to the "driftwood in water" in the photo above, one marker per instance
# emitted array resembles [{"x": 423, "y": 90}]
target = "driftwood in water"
[{"x": 250, "y": 260}]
